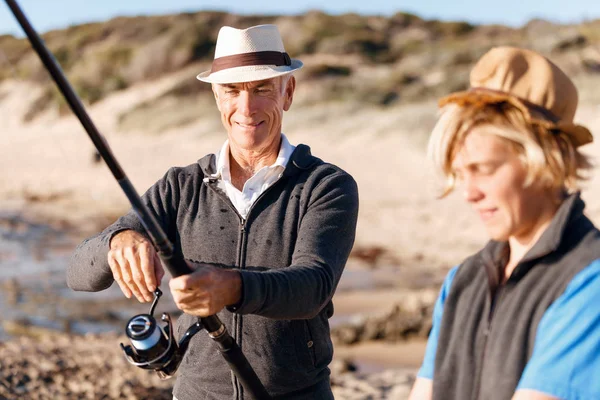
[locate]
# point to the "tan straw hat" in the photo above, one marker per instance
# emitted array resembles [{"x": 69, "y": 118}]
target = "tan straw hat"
[
  {"x": 528, "y": 81},
  {"x": 252, "y": 54}
]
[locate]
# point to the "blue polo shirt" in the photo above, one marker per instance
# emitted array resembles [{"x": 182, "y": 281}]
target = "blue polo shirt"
[{"x": 566, "y": 358}]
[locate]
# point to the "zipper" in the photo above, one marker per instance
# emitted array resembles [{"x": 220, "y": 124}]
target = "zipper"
[
  {"x": 486, "y": 334},
  {"x": 311, "y": 345},
  {"x": 224, "y": 197},
  {"x": 237, "y": 387},
  {"x": 237, "y": 320},
  {"x": 494, "y": 303},
  {"x": 494, "y": 287}
]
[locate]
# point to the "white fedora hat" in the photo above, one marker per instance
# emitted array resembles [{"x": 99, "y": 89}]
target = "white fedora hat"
[{"x": 252, "y": 54}]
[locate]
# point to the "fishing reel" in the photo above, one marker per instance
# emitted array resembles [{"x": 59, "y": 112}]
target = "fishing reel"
[{"x": 154, "y": 347}]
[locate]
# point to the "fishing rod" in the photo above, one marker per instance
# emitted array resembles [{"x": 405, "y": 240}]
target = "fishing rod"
[{"x": 152, "y": 346}]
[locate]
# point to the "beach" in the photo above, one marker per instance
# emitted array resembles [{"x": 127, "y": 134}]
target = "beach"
[{"x": 54, "y": 192}]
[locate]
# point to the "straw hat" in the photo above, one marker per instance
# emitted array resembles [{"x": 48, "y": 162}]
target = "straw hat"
[
  {"x": 528, "y": 81},
  {"x": 252, "y": 54}
]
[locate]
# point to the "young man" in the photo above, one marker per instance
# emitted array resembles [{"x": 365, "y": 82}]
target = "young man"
[
  {"x": 521, "y": 318},
  {"x": 268, "y": 226}
]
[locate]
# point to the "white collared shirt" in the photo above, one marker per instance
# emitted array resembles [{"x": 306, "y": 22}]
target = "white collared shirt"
[{"x": 258, "y": 183}]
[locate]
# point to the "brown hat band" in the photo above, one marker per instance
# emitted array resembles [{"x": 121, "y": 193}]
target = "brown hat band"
[
  {"x": 546, "y": 113},
  {"x": 257, "y": 58}
]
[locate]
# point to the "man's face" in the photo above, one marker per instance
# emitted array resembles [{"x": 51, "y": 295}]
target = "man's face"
[
  {"x": 492, "y": 178},
  {"x": 252, "y": 111}
]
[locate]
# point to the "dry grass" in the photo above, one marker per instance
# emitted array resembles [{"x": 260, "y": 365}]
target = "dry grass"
[{"x": 101, "y": 58}]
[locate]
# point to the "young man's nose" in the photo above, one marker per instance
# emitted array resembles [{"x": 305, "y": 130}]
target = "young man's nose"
[{"x": 472, "y": 192}]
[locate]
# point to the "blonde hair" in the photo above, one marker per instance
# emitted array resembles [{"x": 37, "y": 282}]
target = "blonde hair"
[{"x": 549, "y": 156}]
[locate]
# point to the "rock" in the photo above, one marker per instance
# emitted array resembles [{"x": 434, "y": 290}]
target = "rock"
[
  {"x": 410, "y": 317},
  {"x": 390, "y": 384},
  {"x": 339, "y": 367},
  {"x": 11, "y": 291},
  {"x": 69, "y": 366},
  {"x": 575, "y": 42}
]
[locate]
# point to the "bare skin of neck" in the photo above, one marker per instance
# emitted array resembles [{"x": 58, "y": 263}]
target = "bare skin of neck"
[
  {"x": 245, "y": 163},
  {"x": 521, "y": 243}
]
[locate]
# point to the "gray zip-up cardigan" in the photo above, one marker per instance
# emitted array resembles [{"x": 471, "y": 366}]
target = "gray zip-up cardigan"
[{"x": 291, "y": 251}]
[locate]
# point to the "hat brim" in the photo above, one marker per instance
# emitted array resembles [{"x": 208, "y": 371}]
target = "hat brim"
[
  {"x": 579, "y": 134},
  {"x": 249, "y": 73}
]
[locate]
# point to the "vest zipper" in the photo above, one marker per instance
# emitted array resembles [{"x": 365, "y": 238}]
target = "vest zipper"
[{"x": 494, "y": 302}]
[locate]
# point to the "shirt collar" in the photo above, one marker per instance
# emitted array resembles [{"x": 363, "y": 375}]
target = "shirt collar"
[
  {"x": 283, "y": 157},
  {"x": 568, "y": 224}
]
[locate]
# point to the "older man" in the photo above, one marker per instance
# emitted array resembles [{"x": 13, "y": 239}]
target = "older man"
[{"x": 267, "y": 226}]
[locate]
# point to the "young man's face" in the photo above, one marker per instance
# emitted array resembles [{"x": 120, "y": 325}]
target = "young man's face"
[
  {"x": 492, "y": 178},
  {"x": 252, "y": 111}
]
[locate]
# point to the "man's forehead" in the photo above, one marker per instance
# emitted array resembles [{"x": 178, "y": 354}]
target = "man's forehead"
[
  {"x": 251, "y": 84},
  {"x": 480, "y": 154},
  {"x": 465, "y": 160}
]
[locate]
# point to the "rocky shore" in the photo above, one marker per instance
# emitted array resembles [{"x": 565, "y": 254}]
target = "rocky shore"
[
  {"x": 408, "y": 317},
  {"x": 73, "y": 367},
  {"x": 44, "y": 355},
  {"x": 62, "y": 366}
]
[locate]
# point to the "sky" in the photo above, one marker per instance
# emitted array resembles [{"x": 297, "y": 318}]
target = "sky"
[{"x": 52, "y": 14}]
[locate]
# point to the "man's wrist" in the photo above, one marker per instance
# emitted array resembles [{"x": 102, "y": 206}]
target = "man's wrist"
[
  {"x": 114, "y": 235},
  {"x": 235, "y": 290}
]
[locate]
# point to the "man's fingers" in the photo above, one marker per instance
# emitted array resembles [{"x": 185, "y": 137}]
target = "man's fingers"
[
  {"x": 134, "y": 258},
  {"x": 192, "y": 303},
  {"x": 200, "y": 308},
  {"x": 188, "y": 282},
  {"x": 147, "y": 266},
  {"x": 129, "y": 279},
  {"x": 133, "y": 264},
  {"x": 159, "y": 271},
  {"x": 116, "y": 271},
  {"x": 178, "y": 284},
  {"x": 190, "y": 296}
]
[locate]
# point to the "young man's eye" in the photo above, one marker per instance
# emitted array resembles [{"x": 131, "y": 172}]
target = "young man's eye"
[{"x": 486, "y": 170}]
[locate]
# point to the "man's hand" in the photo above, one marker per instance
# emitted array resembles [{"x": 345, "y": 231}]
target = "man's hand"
[
  {"x": 207, "y": 290},
  {"x": 135, "y": 265}
]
